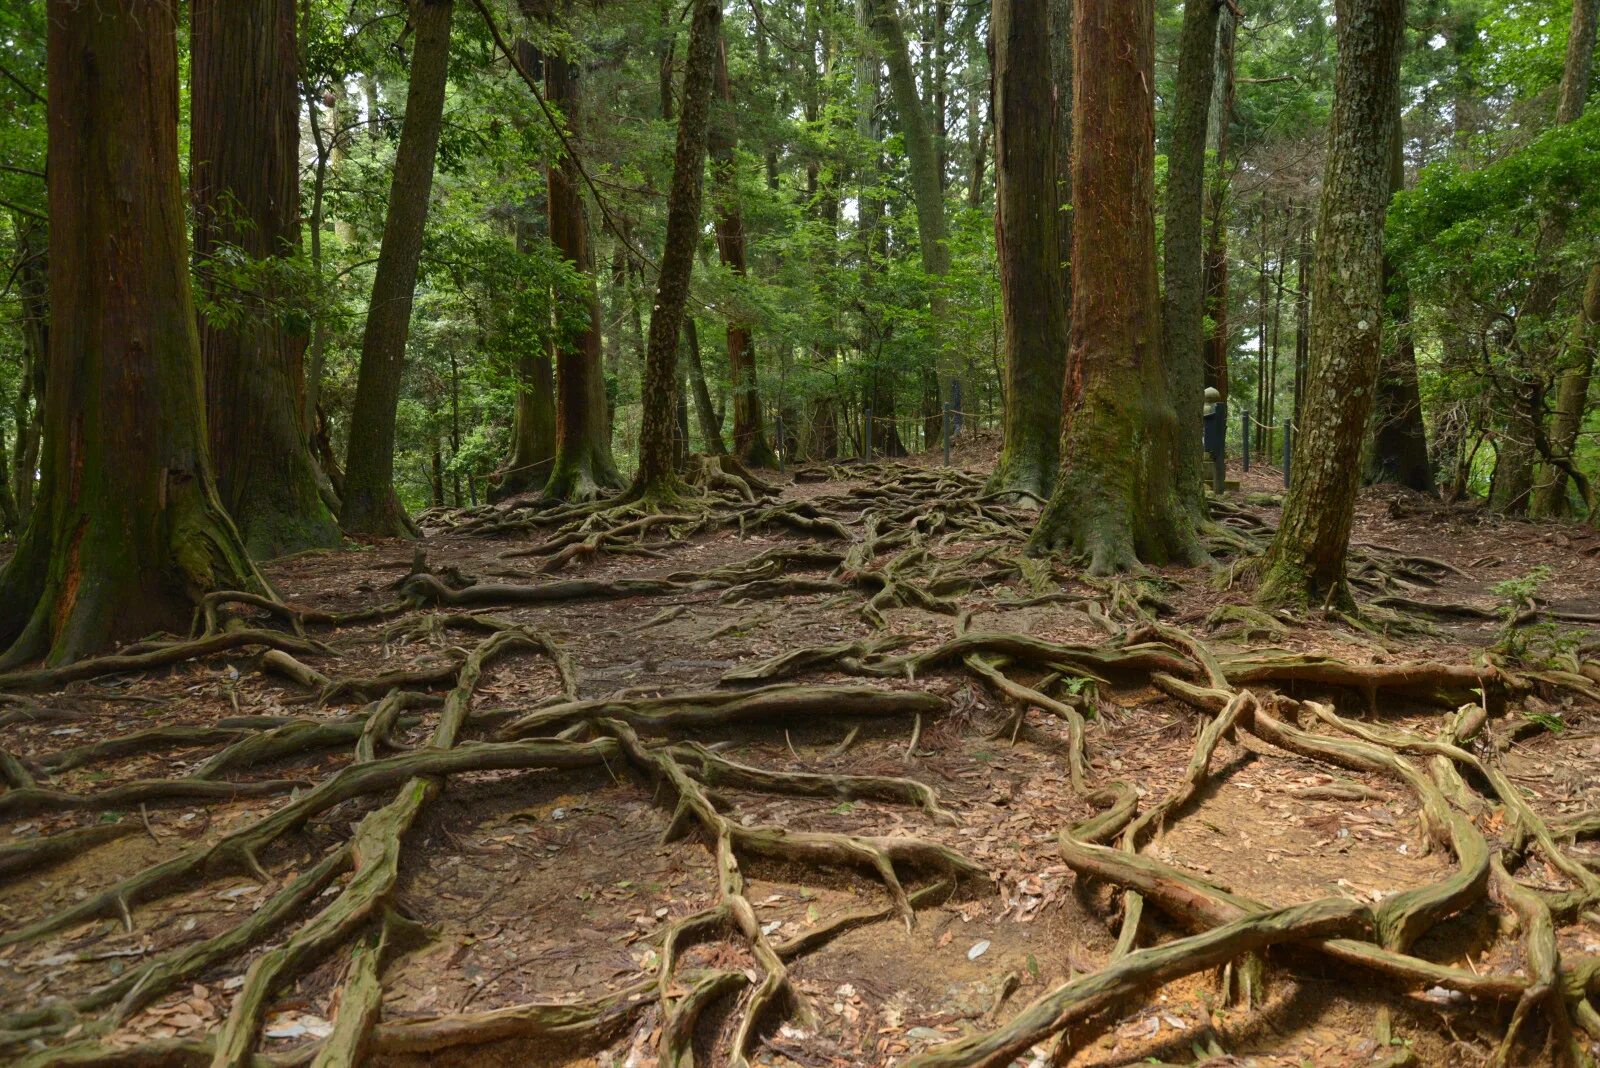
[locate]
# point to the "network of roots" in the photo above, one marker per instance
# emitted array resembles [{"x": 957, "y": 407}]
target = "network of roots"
[{"x": 252, "y": 877}]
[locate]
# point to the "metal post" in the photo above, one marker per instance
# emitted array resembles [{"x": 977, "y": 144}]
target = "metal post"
[
  {"x": 1287, "y": 433},
  {"x": 866, "y": 435},
  {"x": 946, "y": 427},
  {"x": 777, "y": 432},
  {"x": 1244, "y": 423}
]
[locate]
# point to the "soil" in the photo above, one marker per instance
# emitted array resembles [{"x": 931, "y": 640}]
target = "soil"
[{"x": 557, "y": 885}]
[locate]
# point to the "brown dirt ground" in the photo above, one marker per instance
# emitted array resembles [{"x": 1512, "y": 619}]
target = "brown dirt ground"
[{"x": 552, "y": 885}]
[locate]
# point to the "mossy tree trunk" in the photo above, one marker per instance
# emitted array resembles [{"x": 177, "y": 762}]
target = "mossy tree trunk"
[
  {"x": 749, "y": 433},
  {"x": 1028, "y": 218},
  {"x": 1114, "y": 499},
  {"x": 128, "y": 532},
  {"x": 245, "y": 185},
  {"x": 1305, "y": 564},
  {"x": 583, "y": 465},
  {"x": 1399, "y": 452},
  {"x": 657, "y": 480},
  {"x": 1183, "y": 266},
  {"x": 370, "y": 505}
]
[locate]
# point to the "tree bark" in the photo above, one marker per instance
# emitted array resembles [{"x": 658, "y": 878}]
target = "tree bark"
[
  {"x": 749, "y": 433},
  {"x": 1114, "y": 498},
  {"x": 244, "y": 180},
  {"x": 128, "y": 533},
  {"x": 656, "y": 481},
  {"x": 583, "y": 465},
  {"x": 370, "y": 505},
  {"x": 1028, "y": 216},
  {"x": 1305, "y": 564},
  {"x": 1399, "y": 452},
  {"x": 1183, "y": 265}
]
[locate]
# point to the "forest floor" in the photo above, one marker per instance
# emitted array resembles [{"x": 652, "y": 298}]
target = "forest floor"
[{"x": 481, "y": 897}]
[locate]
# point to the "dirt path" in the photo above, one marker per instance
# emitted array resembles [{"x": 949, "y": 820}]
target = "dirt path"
[{"x": 523, "y": 887}]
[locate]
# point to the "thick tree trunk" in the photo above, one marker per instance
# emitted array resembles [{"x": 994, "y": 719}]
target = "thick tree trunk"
[
  {"x": 245, "y": 185},
  {"x": 583, "y": 464},
  {"x": 749, "y": 432},
  {"x": 128, "y": 532},
  {"x": 1114, "y": 499},
  {"x": 1033, "y": 283},
  {"x": 1183, "y": 265},
  {"x": 1399, "y": 452},
  {"x": 1219, "y": 117},
  {"x": 1305, "y": 565},
  {"x": 657, "y": 481},
  {"x": 1572, "y": 389},
  {"x": 370, "y": 505}
]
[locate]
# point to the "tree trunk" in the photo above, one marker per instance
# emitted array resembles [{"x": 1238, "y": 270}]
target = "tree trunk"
[
  {"x": 657, "y": 482},
  {"x": 533, "y": 414},
  {"x": 1399, "y": 452},
  {"x": 33, "y": 299},
  {"x": 1305, "y": 565},
  {"x": 1183, "y": 265},
  {"x": 749, "y": 434},
  {"x": 1114, "y": 498},
  {"x": 128, "y": 532},
  {"x": 927, "y": 188},
  {"x": 1218, "y": 120},
  {"x": 1033, "y": 283},
  {"x": 583, "y": 464},
  {"x": 705, "y": 414},
  {"x": 245, "y": 185},
  {"x": 1572, "y": 389},
  {"x": 370, "y": 504}
]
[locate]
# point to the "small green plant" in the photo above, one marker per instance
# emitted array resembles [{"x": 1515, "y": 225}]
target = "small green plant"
[{"x": 1541, "y": 644}]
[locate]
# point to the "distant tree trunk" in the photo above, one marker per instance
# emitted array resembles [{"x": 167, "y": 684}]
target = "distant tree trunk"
[
  {"x": 821, "y": 440},
  {"x": 656, "y": 481},
  {"x": 1033, "y": 283},
  {"x": 1183, "y": 265},
  {"x": 1305, "y": 564},
  {"x": 705, "y": 414},
  {"x": 1302, "y": 316},
  {"x": 1218, "y": 119},
  {"x": 927, "y": 189},
  {"x": 128, "y": 533},
  {"x": 33, "y": 300},
  {"x": 878, "y": 394},
  {"x": 583, "y": 464},
  {"x": 1399, "y": 452},
  {"x": 245, "y": 184},
  {"x": 533, "y": 415},
  {"x": 1572, "y": 390},
  {"x": 1114, "y": 498},
  {"x": 749, "y": 433},
  {"x": 370, "y": 505},
  {"x": 1516, "y": 449}
]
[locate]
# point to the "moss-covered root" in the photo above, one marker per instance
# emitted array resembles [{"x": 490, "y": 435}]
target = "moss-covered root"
[
  {"x": 1544, "y": 973},
  {"x": 1142, "y": 970},
  {"x": 53, "y": 678},
  {"x": 376, "y": 849},
  {"x": 360, "y": 1000}
]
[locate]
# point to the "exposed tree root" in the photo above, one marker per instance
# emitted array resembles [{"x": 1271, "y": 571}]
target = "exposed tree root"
[{"x": 908, "y": 544}]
